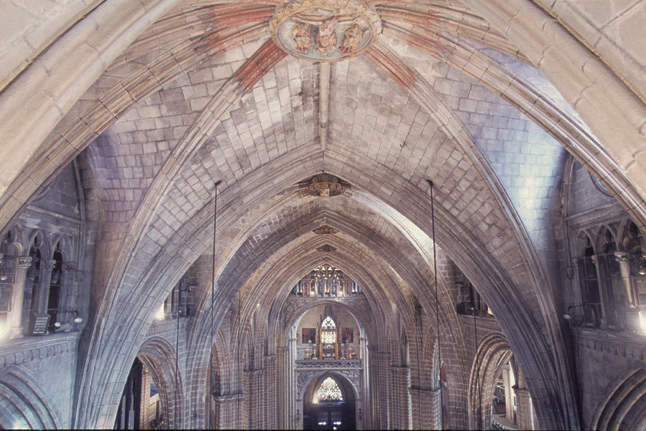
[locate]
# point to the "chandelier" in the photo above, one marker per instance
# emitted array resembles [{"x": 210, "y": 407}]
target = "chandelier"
[{"x": 326, "y": 272}]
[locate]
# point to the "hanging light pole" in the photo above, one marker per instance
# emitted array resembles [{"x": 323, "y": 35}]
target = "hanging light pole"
[
  {"x": 437, "y": 303},
  {"x": 215, "y": 214},
  {"x": 475, "y": 354},
  {"x": 176, "y": 357}
]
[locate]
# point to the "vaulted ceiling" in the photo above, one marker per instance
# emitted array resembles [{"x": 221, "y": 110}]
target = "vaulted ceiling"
[{"x": 162, "y": 99}]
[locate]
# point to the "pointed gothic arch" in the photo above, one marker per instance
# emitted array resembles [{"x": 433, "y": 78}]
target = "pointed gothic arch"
[
  {"x": 492, "y": 355},
  {"x": 624, "y": 406},
  {"x": 23, "y": 404}
]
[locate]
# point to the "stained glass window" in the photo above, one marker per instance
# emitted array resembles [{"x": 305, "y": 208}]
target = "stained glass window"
[
  {"x": 328, "y": 331},
  {"x": 328, "y": 337},
  {"x": 329, "y": 391},
  {"x": 328, "y": 323}
]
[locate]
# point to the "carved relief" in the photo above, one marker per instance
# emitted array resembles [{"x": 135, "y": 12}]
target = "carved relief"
[
  {"x": 324, "y": 185},
  {"x": 326, "y": 248},
  {"x": 325, "y": 30},
  {"x": 302, "y": 37},
  {"x": 325, "y": 230},
  {"x": 302, "y": 377},
  {"x": 352, "y": 37},
  {"x": 326, "y": 38}
]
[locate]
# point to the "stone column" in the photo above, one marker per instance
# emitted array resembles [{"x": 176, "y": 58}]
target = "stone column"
[
  {"x": 67, "y": 299},
  {"x": 258, "y": 419},
  {"x": 509, "y": 403},
  {"x": 395, "y": 399},
  {"x": 43, "y": 288},
  {"x": 14, "y": 320},
  {"x": 270, "y": 404},
  {"x": 524, "y": 410},
  {"x": 524, "y": 414},
  {"x": 282, "y": 397},
  {"x": 364, "y": 421},
  {"x": 145, "y": 400},
  {"x": 228, "y": 410},
  {"x": 427, "y": 409},
  {"x": 361, "y": 350},
  {"x": 624, "y": 268},
  {"x": 383, "y": 390},
  {"x": 416, "y": 408},
  {"x": 602, "y": 295},
  {"x": 246, "y": 414},
  {"x": 400, "y": 399},
  {"x": 294, "y": 403}
]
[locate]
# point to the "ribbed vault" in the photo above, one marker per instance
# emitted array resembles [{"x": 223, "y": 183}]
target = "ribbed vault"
[{"x": 159, "y": 99}]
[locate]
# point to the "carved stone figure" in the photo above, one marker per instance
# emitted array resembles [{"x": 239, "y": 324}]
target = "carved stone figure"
[
  {"x": 326, "y": 38},
  {"x": 302, "y": 37},
  {"x": 352, "y": 37}
]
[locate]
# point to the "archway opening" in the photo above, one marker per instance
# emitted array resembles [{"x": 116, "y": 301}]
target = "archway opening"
[
  {"x": 329, "y": 404},
  {"x": 141, "y": 405},
  {"x": 129, "y": 412}
]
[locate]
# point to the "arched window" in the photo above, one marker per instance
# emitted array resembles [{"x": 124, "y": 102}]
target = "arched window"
[
  {"x": 633, "y": 245},
  {"x": 32, "y": 283},
  {"x": 590, "y": 295},
  {"x": 328, "y": 331},
  {"x": 53, "y": 299},
  {"x": 328, "y": 391},
  {"x": 610, "y": 277},
  {"x": 7, "y": 262}
]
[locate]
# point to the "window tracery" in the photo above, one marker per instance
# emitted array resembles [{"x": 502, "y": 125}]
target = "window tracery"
[
  {"x": 55, "y": 284},
  {"x": 611, "y": 276},
  {"x": 328, "y": 331},
  {"x": 329, "y": 391}
]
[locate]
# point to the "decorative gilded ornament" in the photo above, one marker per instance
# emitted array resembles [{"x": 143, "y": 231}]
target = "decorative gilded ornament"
[
  {"x": 325, "y": 30},
  {"x": 324, "y": 185}
]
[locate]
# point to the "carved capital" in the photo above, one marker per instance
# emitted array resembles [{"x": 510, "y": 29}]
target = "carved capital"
[
  {"x": 69, "y": 266},
  {"x": 520, "y": 392},
  {"x": 621, "y": 256},
  {"x": 25, "y": 262},
  {"x": 229, "y": 398}
]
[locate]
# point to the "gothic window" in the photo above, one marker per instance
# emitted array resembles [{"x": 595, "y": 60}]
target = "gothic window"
[
  {"x": 633, "y": 246},
  {"x": 354, "y": 288},
  {"x": 298, "y": 289},
  {"x": 329, "y": 391},
  {"x": 328, "y": 323},
  {"x": 55, "y": 289},
  {"x": 7, "y": 263},
  {"x": 328, "y": 331},
  {"x": 589, "y": 284},
  {"x": 32, "y": 283},
  {"x": 611, "y": 280},
  {"x": 181, "y": 299}
]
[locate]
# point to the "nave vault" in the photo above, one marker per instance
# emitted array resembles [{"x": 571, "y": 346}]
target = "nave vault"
[{"x": 323, "y": 214}]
